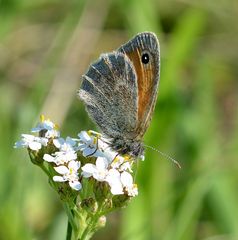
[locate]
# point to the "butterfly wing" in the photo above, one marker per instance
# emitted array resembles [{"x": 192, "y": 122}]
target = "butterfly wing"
[
  {"x": 143, "y": 51},
  {"x": 120, "y": 89},
  {"x": 110, "y": 92}
]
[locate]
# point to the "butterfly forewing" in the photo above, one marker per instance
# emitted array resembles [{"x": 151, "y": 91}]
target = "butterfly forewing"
[{"x": 109, "y": 91}]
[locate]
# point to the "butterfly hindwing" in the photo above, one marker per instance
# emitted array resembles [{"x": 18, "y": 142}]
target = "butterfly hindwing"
[{"x": 147, "y": 75}]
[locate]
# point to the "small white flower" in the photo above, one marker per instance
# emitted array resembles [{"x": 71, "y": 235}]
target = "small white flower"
[
  {"x": 46, "y": 126},
  {"x": 99, "y": 171},
  {"x": 93, "y": 144},
  {"x": 60, "y": 157},
  {"x": 126, "y": 166},
  {"x": 87, "y": 144},
  {"x": 127, "y": 182},
  {"x": 66, "y": 153},
  {"x": 122, "y": 163},
  {"x": 65, "y": 145},
  {"x": 104, "y": 148},
  {"x": 132, "y": 191},
  {"x": 120, "y": 182},
  {"x": 114, "y": 180},
  {"x": 52, "y": 133},
  {"x": 109, "y": 154},
  {"x": 69, "y": 174},
  {"x": 103, "y": 144},
  {"x": 34, "y": 143},
  {"x": 117, "y": 162}
]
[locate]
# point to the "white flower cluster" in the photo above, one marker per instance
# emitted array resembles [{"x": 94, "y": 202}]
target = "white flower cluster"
[
  {"x": 109, "y": 167},
  {"x": 46, "y": 128}
]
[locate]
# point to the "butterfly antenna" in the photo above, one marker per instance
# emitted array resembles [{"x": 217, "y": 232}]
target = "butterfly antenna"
[{"x": 165, "y": 155}]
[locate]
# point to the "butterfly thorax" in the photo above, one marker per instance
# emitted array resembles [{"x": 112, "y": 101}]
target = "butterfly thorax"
[{"x": 132, "y": 147}]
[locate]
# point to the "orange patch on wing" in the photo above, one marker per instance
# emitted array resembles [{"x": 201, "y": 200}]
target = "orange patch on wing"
[{"x": 145, "y": 76}]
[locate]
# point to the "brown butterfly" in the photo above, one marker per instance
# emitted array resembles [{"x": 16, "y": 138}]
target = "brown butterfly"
[{"x": 120, "y": 92}]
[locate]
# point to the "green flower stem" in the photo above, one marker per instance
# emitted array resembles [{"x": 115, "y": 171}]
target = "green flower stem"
[
  {"x": 82, "y": 222},
  {"x": 69, "y": 231},
  {"x": 88, "y": 232},
  {"x": 70, "y": 219},
  {"x": 77, "y": 222},
  {"x": 91, "y": 227},
  {"x": 44, "y": 168}
]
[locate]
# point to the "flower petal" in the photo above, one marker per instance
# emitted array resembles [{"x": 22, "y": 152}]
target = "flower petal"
[
  {"x": 52, "y": 134},
  {"x": 43, "y": 141},
  {"x": 89, "y": 151},
  {"x": 126, "y": 179},
  {"x": 75, "y": 165},
  {"x": 28, "y": 137},
  {"x": 59, "y": 179},
  {"x": 58, "y": 142},
  {"x": 116, "y": 189},
  {"x": 48, "y": 158},
  {"x": 20, "y": 144},
  {"x": 101, "y": 163},
  {"x": 84, "y": 137},
  {"x": 62, "y": 170},
  {"x": 76, "y": 185},
  {"x": 88, "y": 170},
  {"x": 82, "y": 146},
  {"x": 70, "y": 141},
  {"x": 113, "y": 177},
  {"x": 110, "y": 155},
  {"x": 35, "y": 146},
  {"x": 132, "y": 191},
  {"x": 126, "y": 166}
]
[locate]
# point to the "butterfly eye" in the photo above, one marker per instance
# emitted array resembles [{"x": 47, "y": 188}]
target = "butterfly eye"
[{"x": 145, "y": 58}]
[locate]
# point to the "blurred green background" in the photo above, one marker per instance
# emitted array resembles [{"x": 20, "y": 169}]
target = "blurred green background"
[{"x": 45, "y": 45}]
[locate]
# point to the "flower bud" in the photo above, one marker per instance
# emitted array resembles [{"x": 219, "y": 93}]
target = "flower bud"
[
  {"x": 66, "y": 193},
  {"x": 36, "y": 156},
  {"x": 102, "y": 221},
  {"x": 120, "y": 201},
  {"x": 89, "y": 204},
  {"x": 108, "y": 203},
  {"x": 101, "y": 190}
]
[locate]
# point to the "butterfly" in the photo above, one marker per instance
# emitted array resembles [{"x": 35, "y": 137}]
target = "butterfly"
[{"x": 119, "y": 91}]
